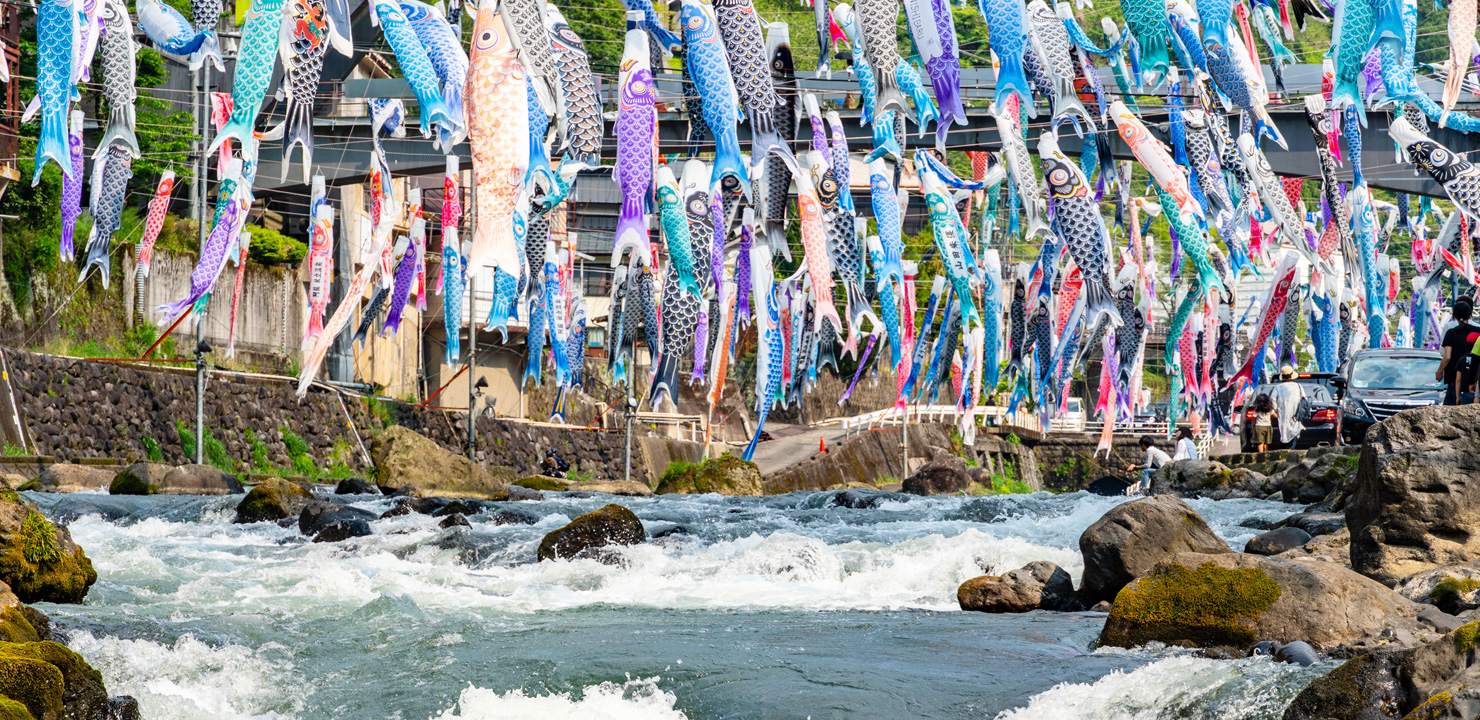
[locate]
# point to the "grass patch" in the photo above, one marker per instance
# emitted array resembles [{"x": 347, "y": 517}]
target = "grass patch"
[
  {"x": 40, "y": 539},
  {"x": 13, "y": 451},
  {"x": 187, "y": 438},
  {"x": 152, "y": 450},
  {"x": 1014, "y": 439}
]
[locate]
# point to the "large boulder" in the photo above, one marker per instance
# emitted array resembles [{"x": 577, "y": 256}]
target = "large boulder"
[
  {"x": 1321, "y": 474},
  {"x": 142, "y": 478},
  {"x": 38, "y": 560},
  {"x": 1132, "y": 537},
  {"x": 272, "y": 500},
  {"x": 1415, "y": 504},
  {"x": 945, "y": 474},
  {"x": 1207, "y": 478},
  {"x": 404, "y": 458},
  {"x": 1439, "y": 679},
  {"x": 610, "y": 525},
  {"x": 1235, "y": 599},
  {"x": 46, "y": 681},
  {"x": 726, "y": 475},
  {"x": 1277, "y": 541},
  {"x": 630, "y": 488},
  {"x": 1334, "y": 548},
  {"x": 161, "y": 479},
  {"x": 67, "y": 478},
  {"x": 1038, "y": 584}
]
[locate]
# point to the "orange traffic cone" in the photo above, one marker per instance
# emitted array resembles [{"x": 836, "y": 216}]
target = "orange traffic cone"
[{"x": 822, "y": 445}]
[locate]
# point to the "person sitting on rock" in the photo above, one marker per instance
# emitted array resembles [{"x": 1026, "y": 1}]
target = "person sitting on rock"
[
  {"x": 554, "y": 466},
  {"x": 1186, "y": 447},
  {"x": 1155, "y": 458},
  {"x": 1264, "y": 415}
]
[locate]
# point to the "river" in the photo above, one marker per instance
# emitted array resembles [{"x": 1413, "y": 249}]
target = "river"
[{"x": 778, "y": 607}]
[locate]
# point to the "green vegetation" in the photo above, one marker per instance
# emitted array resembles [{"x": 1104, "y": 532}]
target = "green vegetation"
[
  {"x": 1466, "y": 637},
  {"x": 187, "y": 438},
  {"x": 13, "y": 451},
  {"x": 1014, "y": 439},
  {"x": 151, "y": 449},
  {"x": 259, "y": 452},
  {"x": 1449, "y": 591},
  {"x": 1203, "y": 606},
  {"x": 270, "y": 247},
  {"x": 40, "y": 539}
]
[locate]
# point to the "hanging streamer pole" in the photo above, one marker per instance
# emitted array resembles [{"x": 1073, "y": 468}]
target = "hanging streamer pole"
[{"x": 202, "y": 120}]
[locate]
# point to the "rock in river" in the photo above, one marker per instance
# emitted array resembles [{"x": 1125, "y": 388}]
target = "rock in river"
[
  {"x": 1415, "y": 505},
  {"x": 1275, "y": 542},
  {"x": 403, "y": 457},
  {"x": 274, "y": 499},
  {"x": 1235, "y": 599},
  {"x": 610, "y": 525},
  {"x": 726, "y": 475},
  {"x": 1435, "y": 680},
  {"x": 38, "y": 559},
  {"x": 320, "y": 514},
  {"x": 67, "y": 477},
  {"x": 1039, "y": 584},
  {"x": 1129, "y": 539},
  {"x": 1453, "y": 589},
  {"x": 159, "y": 479}
]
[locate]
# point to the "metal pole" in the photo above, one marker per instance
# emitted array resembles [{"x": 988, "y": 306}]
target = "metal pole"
[
  {"x": 472, "y": 359},
  {"x": 631, "y": 405},
  {"x": 202, "y": 118}
]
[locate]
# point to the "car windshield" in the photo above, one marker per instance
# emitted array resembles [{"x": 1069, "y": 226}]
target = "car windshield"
[
  {"x": 1074, "y": 406},
  {"x": 1395, "y": 373},
  {"x": 1315, "y": 391}
]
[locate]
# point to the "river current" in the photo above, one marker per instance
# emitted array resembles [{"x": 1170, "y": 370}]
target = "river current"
[{"x": 779, "y": 607}]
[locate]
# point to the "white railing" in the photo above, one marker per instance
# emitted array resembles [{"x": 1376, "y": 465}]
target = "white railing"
[{"x": 985, "y": 414}]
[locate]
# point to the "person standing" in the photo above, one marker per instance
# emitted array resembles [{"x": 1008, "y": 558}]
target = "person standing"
[
  {"x": 1186, "y": 447},
  {"x": 1288, "y": 398},
  {"x": 1264, "y": 415},
  {"x": 1458, "y": 342},
  {"x": 1155, "y": 458}
]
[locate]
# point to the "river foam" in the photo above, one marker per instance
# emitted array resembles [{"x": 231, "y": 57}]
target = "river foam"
[
  {"x": 746, "y": 607},
  {"x": 640, "y": 699}
]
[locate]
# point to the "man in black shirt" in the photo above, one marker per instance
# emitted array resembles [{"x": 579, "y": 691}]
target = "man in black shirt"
[{"x": 1458, "y": 342}]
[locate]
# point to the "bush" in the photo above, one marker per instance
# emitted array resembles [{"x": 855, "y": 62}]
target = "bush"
[
  {"x": 270, "y": 247},
  {"x": 151, "y": 450}
]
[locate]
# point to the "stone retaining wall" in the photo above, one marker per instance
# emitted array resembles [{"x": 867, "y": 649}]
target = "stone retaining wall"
[
  {"x": 1069, "y": 463},
  {"x": 75, "y": 409}
]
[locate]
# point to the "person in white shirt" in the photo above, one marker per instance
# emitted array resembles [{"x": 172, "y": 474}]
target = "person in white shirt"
[
  {"x": 1286, "y": 397},
  {"x": 1155, "y": 458},
  {"x": 1186, "y": 448}
]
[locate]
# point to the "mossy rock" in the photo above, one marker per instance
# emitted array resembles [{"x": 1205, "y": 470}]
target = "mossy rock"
[
  {"x": 29, "y": 678},
  {"x": 1201, "y": 605},
  {"x": 38, "y": 560},
  {"x": 540, "y": 482},
  {"x": 139, "y": 479},
  {"x": 1234, "y": 599},
  {"x": 12, "y": 710},
  {"x": 274, "y": 499},
  {"x": 725, "y": 475},
  {"x": 84, "y": 695},
  {"x": 610, "y": 525}
]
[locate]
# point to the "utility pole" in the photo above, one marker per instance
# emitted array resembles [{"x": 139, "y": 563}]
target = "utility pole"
[
  {"x": 202, "y": 119},
  {"x": 472, "y": 362}
]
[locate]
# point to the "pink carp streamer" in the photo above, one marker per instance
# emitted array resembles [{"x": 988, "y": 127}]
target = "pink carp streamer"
[
  {"x": 157, "y": 209},
  {"x": 243, "y": 241}
]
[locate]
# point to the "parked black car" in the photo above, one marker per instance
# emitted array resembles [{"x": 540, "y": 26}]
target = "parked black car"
[
  {"x": 1381, "y": 383},
  {"x": 1320, "y": 421}
]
